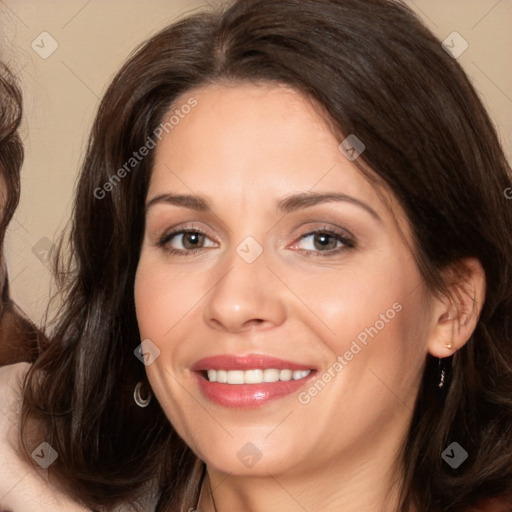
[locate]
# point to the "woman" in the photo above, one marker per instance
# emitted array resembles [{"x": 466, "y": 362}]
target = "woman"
[
  {"x": 18, "y": 336},
  {"x": 209, "y": 357}
]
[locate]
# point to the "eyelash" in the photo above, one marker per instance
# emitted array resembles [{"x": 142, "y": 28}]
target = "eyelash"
[{"x": 347, "y": 241}]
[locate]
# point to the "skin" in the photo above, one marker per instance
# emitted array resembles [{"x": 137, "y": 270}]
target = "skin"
[{"x": 245, "y": 147}]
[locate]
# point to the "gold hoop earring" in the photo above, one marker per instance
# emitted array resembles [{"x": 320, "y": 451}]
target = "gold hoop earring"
[{"x": 137, "y": 395}]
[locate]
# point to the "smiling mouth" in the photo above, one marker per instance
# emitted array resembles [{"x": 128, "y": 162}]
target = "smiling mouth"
[
  {"x": 254, "y": 376},
  {"x": 247, "y": 381}
]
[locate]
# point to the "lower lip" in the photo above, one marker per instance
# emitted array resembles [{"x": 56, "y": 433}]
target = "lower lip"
[{"x": 246, "y": 396}]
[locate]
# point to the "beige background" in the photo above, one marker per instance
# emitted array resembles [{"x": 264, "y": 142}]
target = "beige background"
[{"x": 94, "y": 37}]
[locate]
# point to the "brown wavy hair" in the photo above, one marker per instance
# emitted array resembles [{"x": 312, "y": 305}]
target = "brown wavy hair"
[
  {"x": 375, "y": 71},
  {"x": 18, "y": 336}
]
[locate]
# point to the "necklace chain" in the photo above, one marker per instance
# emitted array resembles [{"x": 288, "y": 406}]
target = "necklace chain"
[{"x": 211, "y": 495}]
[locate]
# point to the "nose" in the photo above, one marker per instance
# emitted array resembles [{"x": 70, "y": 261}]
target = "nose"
[{"x": 245, "y": 296}]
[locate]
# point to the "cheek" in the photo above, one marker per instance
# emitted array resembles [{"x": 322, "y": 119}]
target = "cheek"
[
  {"x": 374, "y": 316},
  {"x": 373, "y": 294},
  {"x": 166, "y": 303},
  {"x": 160, "y": 304},
  {"x": 146, "y": 300},
  {"x": 162, "y": 297}
]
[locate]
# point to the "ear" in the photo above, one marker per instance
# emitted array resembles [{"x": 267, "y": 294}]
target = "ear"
[{"x": 455, "y": 314}]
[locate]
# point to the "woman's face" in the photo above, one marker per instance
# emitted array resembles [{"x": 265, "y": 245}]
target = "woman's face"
[{"x": 251, "y": 292}]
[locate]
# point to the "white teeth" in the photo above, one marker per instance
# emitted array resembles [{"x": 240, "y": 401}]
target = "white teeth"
[
  {"x": 270, "y": 375},
  {"x": 300, "y": 374},
  {"x": 236, "y": 377},
  {"x": 253, "y": 376},
  {"x": 285, "y": 375},
  {"x": 256, "y": 376}
]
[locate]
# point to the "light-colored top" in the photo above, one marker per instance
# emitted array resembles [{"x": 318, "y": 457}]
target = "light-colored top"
[{"x": 22, "y": 487}]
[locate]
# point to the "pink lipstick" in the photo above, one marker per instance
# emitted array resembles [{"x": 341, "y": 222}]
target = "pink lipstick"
[{"x": 251, "y": 380}]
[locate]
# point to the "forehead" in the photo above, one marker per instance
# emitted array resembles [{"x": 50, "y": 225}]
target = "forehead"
[
  {"x": 244, "y": 147},
  {"x": 263, "y": 134},
  {"x": 257, "y": 143}
]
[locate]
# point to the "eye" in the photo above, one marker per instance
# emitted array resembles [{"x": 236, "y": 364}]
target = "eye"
[
  {"x": 325, "y": 242},
  {"x": 192, "y": 241}
]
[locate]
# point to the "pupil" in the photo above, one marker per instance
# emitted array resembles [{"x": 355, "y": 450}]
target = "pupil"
[{"x": 192, "y": 239}]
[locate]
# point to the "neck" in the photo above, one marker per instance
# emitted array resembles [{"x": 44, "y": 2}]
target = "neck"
[{"x": 370, "y": 486}]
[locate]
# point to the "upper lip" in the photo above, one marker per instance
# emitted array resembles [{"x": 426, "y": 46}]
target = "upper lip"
[{"x": 246, "y": 362}]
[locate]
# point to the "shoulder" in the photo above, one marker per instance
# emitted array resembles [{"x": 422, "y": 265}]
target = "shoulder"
[
  {"x": 22, "y": 486},
  {"x": 13, "y": 371},
  {"x": 11, "y": 377}
]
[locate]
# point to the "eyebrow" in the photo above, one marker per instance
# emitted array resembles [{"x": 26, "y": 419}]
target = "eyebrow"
[
  {"x": 198, "y": 203},
  {"x": 307, "y": 199},
  {"x": 286, "y": 205}
]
